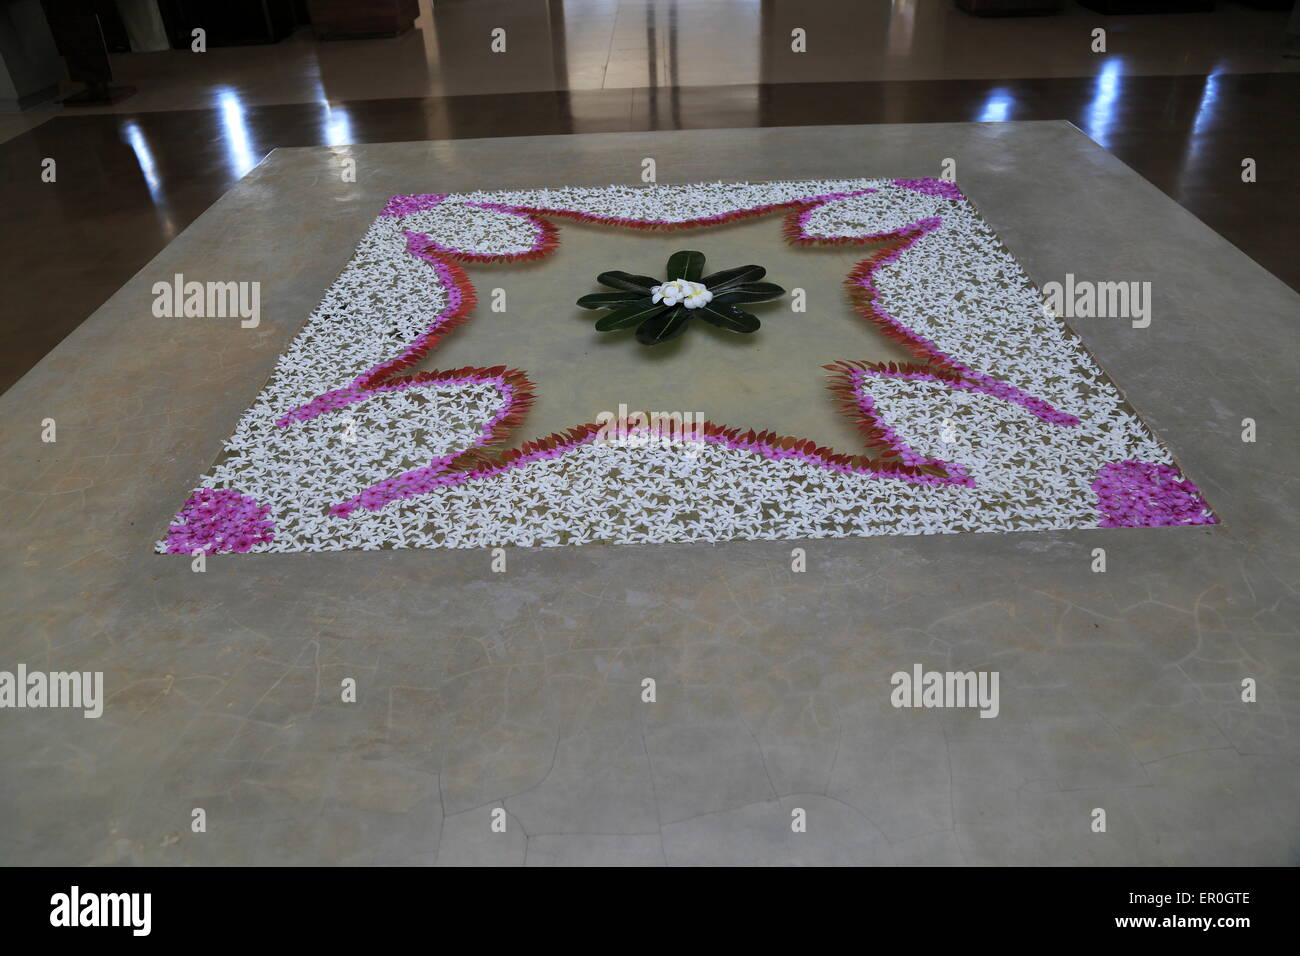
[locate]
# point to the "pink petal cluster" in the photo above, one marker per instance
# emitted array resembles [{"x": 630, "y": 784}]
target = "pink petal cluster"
[
  {"x": 932, "y": 187},
  {"x": 400, "y": 206},
  {"x": 219, "y": 520},
  {"x": 1133, "y": 494}
]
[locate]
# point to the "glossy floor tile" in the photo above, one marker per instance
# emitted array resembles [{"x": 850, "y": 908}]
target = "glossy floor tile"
[
  {"x": 1168, "y": 97},
  {"x": 629, "y": 44},
  {"x": 128, "y": 183}
]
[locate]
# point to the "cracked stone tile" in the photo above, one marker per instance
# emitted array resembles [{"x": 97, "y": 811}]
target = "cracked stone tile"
[
  {"x": 701, "y": 769},
  {"x": 585, "y": 849},
  {"x": 599, "y": 780},
  {"x": 760, "y": 834},
  {"x": 498, "y": 737},
  {"x": 928, "y": 849},
  {"x": 1001, "y": 825},
  {"x": 1199, "y": 813},
  {"x": 896, "y": 770},
  {"x": 468, "y": 840}
]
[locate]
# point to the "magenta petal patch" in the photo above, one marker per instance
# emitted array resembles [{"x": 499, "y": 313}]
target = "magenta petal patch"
[
  {"x": 400, "y": 206},
  {"x": 1133, "y": 494},
  {"x": 932, "y": 187},
  {"x": 219, "y": 520}
]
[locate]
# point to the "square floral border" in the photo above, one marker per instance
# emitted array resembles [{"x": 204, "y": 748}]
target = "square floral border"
[{"x": 1003, "y": 423}]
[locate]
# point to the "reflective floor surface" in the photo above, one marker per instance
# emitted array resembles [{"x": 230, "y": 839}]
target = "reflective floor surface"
[
  {"x": 630, "y": 44},
  {"x": 1184, "y": 99}
]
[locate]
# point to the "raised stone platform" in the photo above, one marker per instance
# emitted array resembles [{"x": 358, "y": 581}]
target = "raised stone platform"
[{"x": 523, "y": 689}]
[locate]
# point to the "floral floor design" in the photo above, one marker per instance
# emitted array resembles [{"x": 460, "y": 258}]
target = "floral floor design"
[{"x": 1003, "y": 423}]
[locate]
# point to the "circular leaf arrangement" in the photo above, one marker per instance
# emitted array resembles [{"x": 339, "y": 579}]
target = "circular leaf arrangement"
[{"x": 662, "y": 311}]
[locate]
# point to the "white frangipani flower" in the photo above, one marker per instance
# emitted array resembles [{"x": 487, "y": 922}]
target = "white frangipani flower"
[
  {"x": 697, "y": 297},
  {"x": 683, "y": 292}
]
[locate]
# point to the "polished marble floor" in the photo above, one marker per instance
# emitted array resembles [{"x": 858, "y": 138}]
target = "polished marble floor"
[
  {"x": 633, "y": 44},
  {"x": 1182, "y": 99}
]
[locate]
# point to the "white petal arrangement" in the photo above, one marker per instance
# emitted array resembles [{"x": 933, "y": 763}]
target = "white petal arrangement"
[
  {"x": 1045, "y": 439},
  {"x": 690, "y": 294}
]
